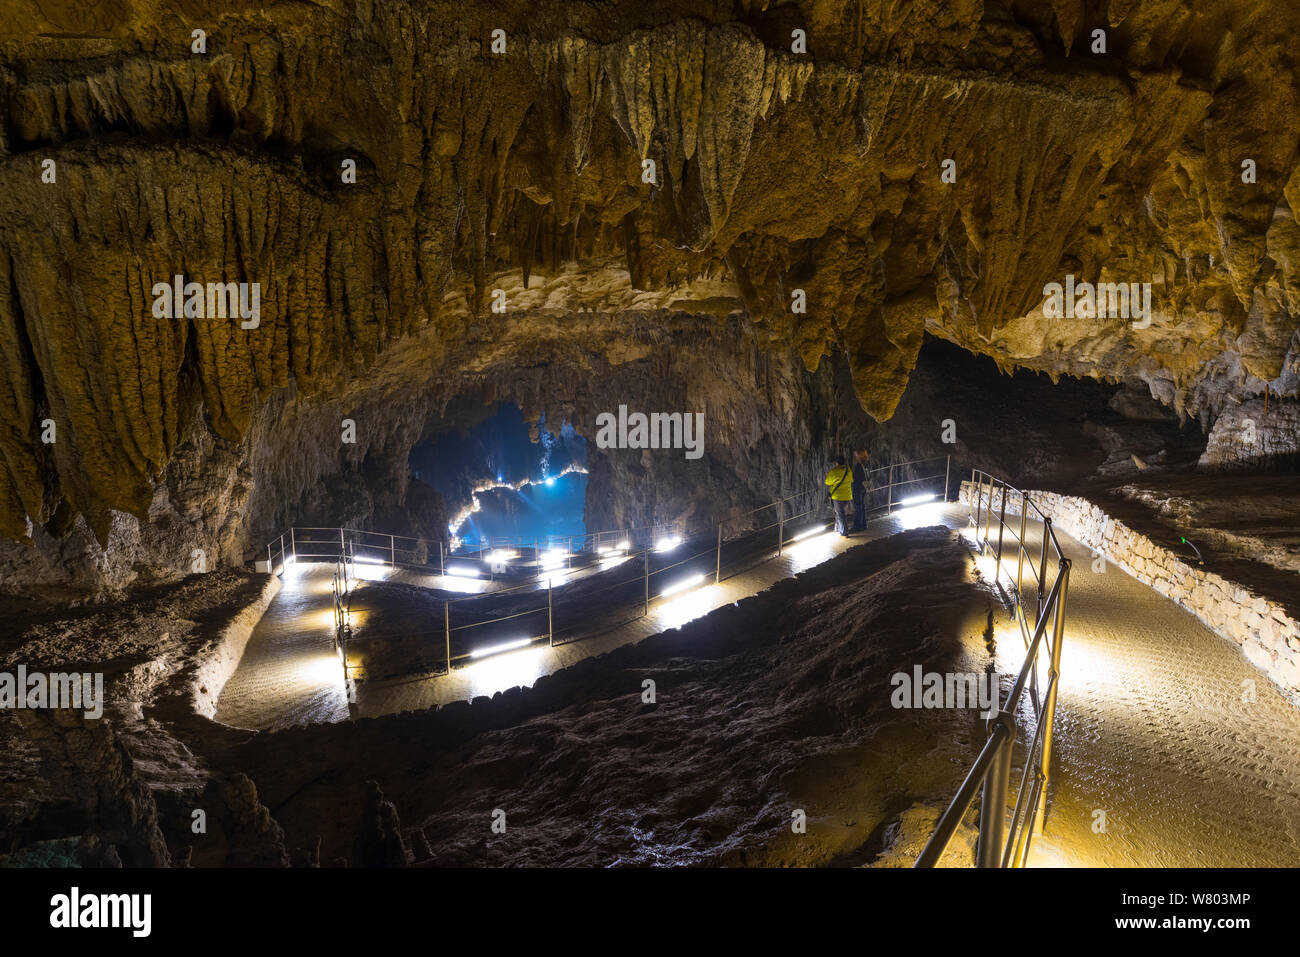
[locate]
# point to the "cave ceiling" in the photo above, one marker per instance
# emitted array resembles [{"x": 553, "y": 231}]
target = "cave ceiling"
[{"x": 909, "y": 168}]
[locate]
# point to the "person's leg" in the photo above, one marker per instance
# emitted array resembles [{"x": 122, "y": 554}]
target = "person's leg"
[
  {"x": 859, "y": 512},
  {"x": 840, "y": 518}
]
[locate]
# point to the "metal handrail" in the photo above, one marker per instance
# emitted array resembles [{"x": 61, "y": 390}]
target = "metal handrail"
[
  {"x": 344, "y": 550},
  {"x": 1000, "y": 847}
]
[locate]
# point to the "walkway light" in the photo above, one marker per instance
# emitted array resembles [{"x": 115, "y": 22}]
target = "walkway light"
[
  {"x": 917, "y": 499},
  {"x": 464, "y": 571},
  {"x": 683, "y": 585},
  {"x": 807, "y": 532},
  {"x": 497, "y": 649},
  {"x": 668, "y": 544}
]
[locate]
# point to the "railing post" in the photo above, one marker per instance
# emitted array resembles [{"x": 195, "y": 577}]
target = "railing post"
[
  {"x": 889, "y": 508},
  {"x": 1002, "y": 524},
  {"x": 446, "y": 624},
  {"x": 1020, "y": 557},
  {"x": 442, "y": 567},
  {"x": 717, "y": 574},
  {"x": 293, "y": 545},
  {"x": 550, "y": 621},
  {"x": 647, "y": 580},
  {"x": 975, "y": 489},
  {"x": 988, "y": 514},
  {"x": 392, "y": 551},
  {"x": 1042, "y": 569},
  {"x": 947, "y": 469},
  {"x": 780, "y": 527},
  {"x": 993, "y": 804},
  {"x": 1054, "y": 679}
]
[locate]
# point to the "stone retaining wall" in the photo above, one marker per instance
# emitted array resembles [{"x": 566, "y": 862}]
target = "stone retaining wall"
[{"x": 1265, "y": 633}]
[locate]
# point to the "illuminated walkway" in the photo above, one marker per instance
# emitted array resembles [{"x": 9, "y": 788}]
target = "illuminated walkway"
[
  {"x": 290, "y": 674},
  {"x": 1151, "y": 729}
]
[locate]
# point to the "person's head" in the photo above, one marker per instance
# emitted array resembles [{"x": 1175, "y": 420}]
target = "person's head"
[
  {"x": 861, "y": 455},
  {"x": 839, "y": 460}
]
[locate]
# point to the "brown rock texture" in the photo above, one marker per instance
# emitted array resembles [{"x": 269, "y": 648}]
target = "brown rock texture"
[{"x": 524, "y": 171}]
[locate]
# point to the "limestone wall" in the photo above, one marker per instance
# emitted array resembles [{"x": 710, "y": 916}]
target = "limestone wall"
[{"x": 1264, "y": 632}]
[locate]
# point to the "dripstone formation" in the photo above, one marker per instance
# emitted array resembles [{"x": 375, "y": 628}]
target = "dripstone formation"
[{"x": 432, "y": 209}]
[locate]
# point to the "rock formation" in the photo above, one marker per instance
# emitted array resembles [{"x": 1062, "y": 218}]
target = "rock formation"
[{"x": 699, "y": 201}]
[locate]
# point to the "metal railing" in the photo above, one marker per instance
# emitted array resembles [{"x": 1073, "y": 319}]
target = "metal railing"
[
  {"x": 575, "y": 544},
  {"x": 351, "y": 544},
  {"x": 1000, "y": 844},
  {"x": 738, "y": 543}
]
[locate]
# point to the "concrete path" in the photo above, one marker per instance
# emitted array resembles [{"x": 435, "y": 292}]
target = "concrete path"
[{"x": 1187, "y": 753}]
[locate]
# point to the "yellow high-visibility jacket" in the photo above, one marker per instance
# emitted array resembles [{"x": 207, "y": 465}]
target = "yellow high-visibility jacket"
[{"x": 840, "y": 480}]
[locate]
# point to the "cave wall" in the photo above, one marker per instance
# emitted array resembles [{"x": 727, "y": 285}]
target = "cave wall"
[{"x": 769, "y": 430}]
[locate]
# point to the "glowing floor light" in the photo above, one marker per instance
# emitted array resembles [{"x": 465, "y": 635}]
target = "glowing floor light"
[
  {"x": 808, "y": 532},
  {"x": 367, "y": 560},
  {"x": 499, "y": 556},
  {"x": 554, "y": 557},
  {"x": 464, "y": 571},
  {"x": 668, "y": 544},
  {"x": 924, "y": 511},
  {"x": 373, "y": 573},
  {"x": 814, "y": 546},
  {"x": 678, "y": 587},
  {"x": 689, "y": 605},
  {"x": 917, "y": 499},
  {"x": 497, "y": 649}
]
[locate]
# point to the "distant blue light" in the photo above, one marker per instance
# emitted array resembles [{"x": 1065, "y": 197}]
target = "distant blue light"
[{"x": 551, "y": 480}]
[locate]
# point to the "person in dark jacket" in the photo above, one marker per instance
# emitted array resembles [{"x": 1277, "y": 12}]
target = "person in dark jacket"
[{"x": 860, "y": 459}]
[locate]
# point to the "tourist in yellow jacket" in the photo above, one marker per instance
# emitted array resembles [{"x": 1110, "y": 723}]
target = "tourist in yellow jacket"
[{"x": 840, "y": 482}]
